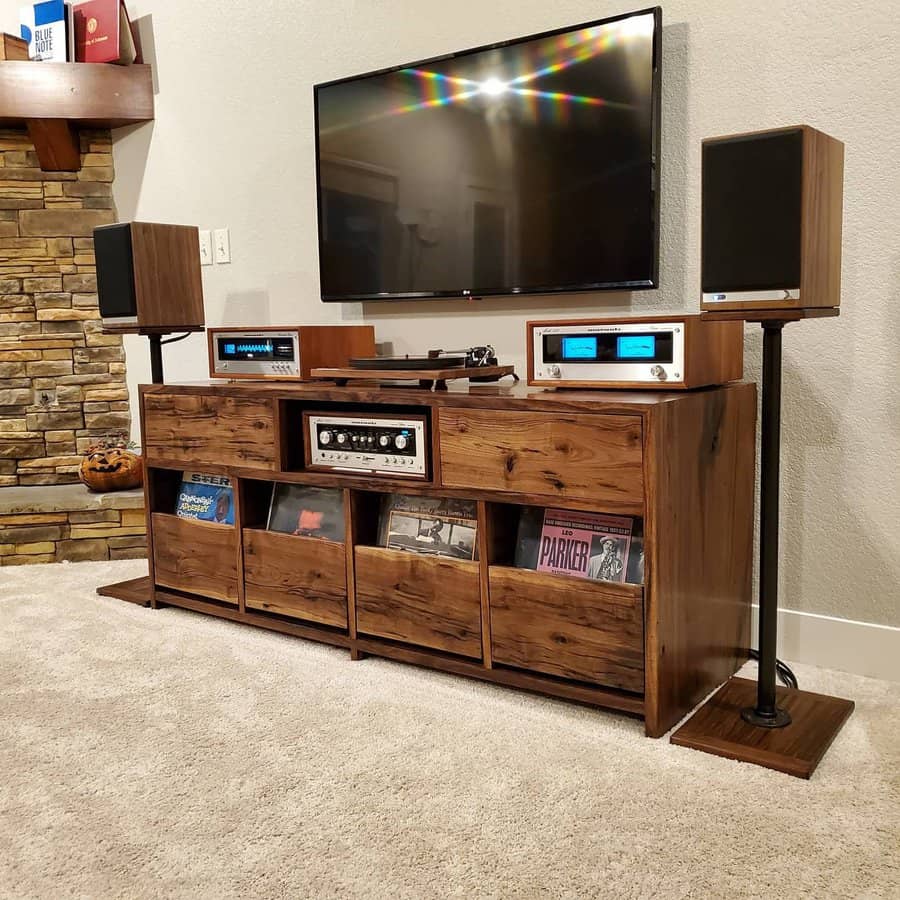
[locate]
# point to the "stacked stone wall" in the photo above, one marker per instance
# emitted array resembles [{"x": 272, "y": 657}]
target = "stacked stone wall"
[
  {"x": 62, "y": 381},
  {"x": 73, "y": 535}
]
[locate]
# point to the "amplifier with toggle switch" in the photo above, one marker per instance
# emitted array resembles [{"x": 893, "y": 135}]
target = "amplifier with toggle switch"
[
  {"x": 371, "y": 444},
  {"x": 670, "y": 352}
]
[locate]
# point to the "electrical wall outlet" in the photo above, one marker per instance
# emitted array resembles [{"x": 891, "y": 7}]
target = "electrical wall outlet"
[
  {"x": 45, "y": 397},
  {"x": 222, "y": 246},
  {"x": 206, "y": 250}
]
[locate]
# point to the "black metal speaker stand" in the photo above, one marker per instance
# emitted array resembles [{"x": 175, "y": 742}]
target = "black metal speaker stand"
[
  {"x": 766, "y": 713},
  {"x": 156, "y": 362},
  {"x": 762, "y": 723},
  {"x": 156, "y": 345}
]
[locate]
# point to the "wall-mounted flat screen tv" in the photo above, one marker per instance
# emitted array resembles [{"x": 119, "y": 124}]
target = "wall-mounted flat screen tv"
[{"x": 530, "y": 166}]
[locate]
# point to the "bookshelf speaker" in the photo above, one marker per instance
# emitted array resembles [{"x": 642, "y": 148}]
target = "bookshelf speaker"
[
  {"x": 772, "y": 214},
  {"x": 148, "y": 277}
]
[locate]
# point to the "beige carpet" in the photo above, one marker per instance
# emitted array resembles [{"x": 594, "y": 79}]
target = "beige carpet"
[{"x": 167, "y": 754}]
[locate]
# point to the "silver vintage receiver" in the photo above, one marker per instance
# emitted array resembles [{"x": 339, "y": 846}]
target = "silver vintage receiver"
[
  {"x": 285, "y": 354},
  {"x": 373, "y": 444},
  {"x": 671, "y": 352}
]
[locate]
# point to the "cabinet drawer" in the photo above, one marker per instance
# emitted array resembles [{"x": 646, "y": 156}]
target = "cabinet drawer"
[
  {"x": 295, "y": 576},
  {"x": 195, "y": 557},
  {"x": 594, "y": 458},
  {"x": 424, "y": 600},
  {"x": 568, "y": 627},
  {"x": 198, "y": 429}
]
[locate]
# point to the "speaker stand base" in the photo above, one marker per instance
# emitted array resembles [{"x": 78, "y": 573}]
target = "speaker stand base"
[
  {"x": 795, "y": 749},
  {"x": 135, "y": 590}
]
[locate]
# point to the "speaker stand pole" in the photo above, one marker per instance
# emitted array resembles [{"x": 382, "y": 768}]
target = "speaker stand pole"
[
  {"x": 156, "y": 361},
  {"x": 786, "y": 730},
  {"x": 766, "y": 714}
]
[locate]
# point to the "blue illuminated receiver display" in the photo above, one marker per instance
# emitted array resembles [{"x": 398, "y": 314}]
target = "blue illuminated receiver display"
[
  {"x": 255, "y": 348},
  {"x": 636, "y": 346},
  {"x": 580, "y": 347},
  {"x": 258, "y": 349}
]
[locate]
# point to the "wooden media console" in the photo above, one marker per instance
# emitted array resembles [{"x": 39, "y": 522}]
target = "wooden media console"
[{"x": 683, "y": 461}]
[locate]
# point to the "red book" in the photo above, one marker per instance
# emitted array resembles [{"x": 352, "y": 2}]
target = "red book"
[{"x": 103, "y": 33}]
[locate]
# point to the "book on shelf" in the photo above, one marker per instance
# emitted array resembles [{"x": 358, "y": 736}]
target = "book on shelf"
[
  {"x": 429, "y": 525},
  {"x": 307, "y": 511},
  {"x": 209, "y": 498},
  {"x": 595, "y": 546},
  {"x": 103, "y": 33},
  {"x": 43, "y": 25}
]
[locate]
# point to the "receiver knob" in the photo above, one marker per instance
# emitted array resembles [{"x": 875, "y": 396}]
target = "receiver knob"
[
  {"x": 401, "y": 441},
  {"x": 659, "y": 372},
  {"x": 324, "y": 438},
  {"x": 342, "y": 437},
  {"x": 555, "y": 371},
  {"x": 384, "y": 440}
]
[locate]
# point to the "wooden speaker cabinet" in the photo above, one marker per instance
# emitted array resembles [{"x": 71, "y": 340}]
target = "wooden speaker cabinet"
[
  {"x": 681, "y": 462},
  {"x": 772, "y": 218},
  {"x": 148, "y": 278}
]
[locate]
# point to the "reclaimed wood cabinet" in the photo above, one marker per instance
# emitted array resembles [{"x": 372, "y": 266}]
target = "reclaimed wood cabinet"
[{"x": 683, "y": 462}]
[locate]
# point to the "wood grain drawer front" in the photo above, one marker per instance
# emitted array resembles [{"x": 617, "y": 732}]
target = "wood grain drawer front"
[
  {"x": 202, "y": 429},
  {"x": 296, "y": 576},
  {"x": 196, "y": 557},
  {"x": 582, "y": 457},
  {"x": 423, "y": 600},
  {"x": 568, "y": 627}
]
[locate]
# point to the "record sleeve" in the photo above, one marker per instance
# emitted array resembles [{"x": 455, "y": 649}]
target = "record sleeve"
[
  {"x": 595, "y": 546},
  {"x": 307, "y": 511},
  {"x": 209, "y": 498},
  {"x": 429, "y": 525}
]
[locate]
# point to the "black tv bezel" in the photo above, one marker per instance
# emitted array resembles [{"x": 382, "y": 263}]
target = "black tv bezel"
[{"x": 656, "y": 126}]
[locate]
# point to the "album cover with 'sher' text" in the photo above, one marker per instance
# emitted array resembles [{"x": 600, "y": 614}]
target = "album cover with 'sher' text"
[{"x": 209, "y": 498}]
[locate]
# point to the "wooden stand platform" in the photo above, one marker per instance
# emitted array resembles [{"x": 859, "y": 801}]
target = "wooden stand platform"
[
  {"x": 433, "y": 379},
  {"x": 769, "y": 315},
  {"x": 796, "y": 749},
  {"x": 137, "y": 590}
]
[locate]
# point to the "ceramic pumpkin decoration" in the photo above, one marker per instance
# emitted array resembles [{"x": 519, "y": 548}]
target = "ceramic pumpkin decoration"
[{"x": 111, "y": 466}]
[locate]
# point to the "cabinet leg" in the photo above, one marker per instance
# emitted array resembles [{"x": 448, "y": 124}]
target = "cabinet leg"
[{"x": 357, "y": 655}]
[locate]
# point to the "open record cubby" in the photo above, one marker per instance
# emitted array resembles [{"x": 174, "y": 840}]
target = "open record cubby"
[
  {"x": 680, "y": 464},
  {"x": 560, "y": 624}
]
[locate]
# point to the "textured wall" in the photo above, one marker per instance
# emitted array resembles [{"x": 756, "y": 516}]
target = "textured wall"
[
  {"x": 62, "y": 382},
  {"x": 232, "y": 145}
]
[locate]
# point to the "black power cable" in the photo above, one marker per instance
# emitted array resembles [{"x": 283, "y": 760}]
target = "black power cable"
[
  {"x": 180, "y": 337},
  {"x": 782, "y": 670}
]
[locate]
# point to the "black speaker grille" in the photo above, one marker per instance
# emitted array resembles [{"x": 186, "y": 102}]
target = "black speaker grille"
[
  {"x": 115, "y": 271},
  {"x": 752, "y": 196}
]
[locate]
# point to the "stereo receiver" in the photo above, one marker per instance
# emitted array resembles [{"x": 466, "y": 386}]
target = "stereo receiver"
[
  {"x": 672, "y": 352},
  {"x": 371, "y": 444},
  {"x": 285, "y": 354}
]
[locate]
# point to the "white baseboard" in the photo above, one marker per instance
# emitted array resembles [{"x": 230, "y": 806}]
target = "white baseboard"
[{"x": 858, "y": 647}]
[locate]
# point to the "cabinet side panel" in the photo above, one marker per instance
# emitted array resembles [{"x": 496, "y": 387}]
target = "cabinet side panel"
[
  {"x": 823, "y": 205},
  {"x": 700, "y": 507}
]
